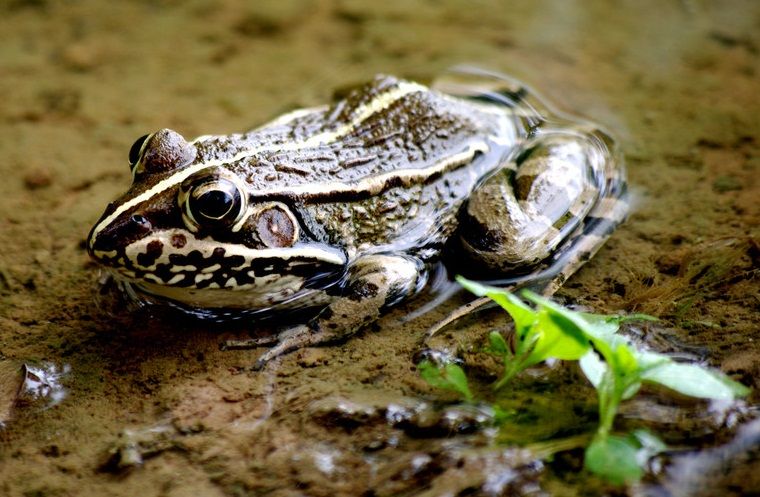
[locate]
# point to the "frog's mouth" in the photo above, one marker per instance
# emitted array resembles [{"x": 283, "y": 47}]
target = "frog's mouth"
[
  {"x": 174, "y": 265},
  {"x": 220, "y": 303}
]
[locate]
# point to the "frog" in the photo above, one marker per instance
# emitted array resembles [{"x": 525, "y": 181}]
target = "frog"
[{"x": 336, "y": 213}]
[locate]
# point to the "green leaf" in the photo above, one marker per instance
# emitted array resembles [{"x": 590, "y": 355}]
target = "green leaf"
[
  {"x": 599, "y": 329},
  {"x": 448, "y": 377},
  {"x": 501, "y": 416},
  {"x": 599, "y": 325},
  {"x": 624, "y": 358},
  {"x": 575, "y": 317},
  {"x": 694, "y": 380},
  {"x": 608, "y": 347},
  {"x": 637, "y": 316},
  {"x": 649, "y": 360},
  {"x": 630, "y": 389},
  {"x": 498, "y": 346},
  {"x": 615, "y": 320},
  {"x": 431, "y": 374},
  {"x": 458, "y": 379},
  {"x": 521, "y": 313},
  {"x": 622, "y": 459},
  {"x": 614, "y": 458},
  {"x": 559, "y": 338}
]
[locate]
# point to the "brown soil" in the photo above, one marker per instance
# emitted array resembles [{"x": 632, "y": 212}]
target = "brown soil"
[{"x": 676, "y": 81}]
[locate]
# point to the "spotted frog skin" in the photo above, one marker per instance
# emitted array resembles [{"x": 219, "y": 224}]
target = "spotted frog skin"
[{"x": 341, "y": 209}]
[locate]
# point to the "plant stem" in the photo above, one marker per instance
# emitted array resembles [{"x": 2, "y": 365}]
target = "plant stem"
[
  {"x": 610, "y": 395},
  {"x": 510, "y": 370},
  {"x": 547, "y": 448},
  {"x": 607, "y": 413}
]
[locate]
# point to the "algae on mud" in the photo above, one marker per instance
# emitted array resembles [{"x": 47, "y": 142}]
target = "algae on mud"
[{"x": 677, "y": 82}]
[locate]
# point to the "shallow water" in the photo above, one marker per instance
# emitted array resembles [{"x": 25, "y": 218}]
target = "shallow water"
[{"x": 153, "y": 406}]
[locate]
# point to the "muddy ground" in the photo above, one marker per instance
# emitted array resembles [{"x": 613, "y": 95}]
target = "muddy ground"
[{"x": 151, "y": 406}]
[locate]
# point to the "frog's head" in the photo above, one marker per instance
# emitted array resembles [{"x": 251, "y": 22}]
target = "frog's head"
[{"x": 190, "y": 230}]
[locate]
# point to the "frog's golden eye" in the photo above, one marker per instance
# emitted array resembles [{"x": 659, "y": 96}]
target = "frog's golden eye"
[
  {"x": 136, "y": 151},
  {"x": 276, "y": 226},
  {"x": 211, "y": 201}
]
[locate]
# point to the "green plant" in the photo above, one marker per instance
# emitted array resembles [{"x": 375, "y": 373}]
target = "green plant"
[
  {"x": 617, "y": 369},
  {"x": 448, "y": 377},
  {"x": 539, "y": 334},
  {"x": 613, "y": 365}
]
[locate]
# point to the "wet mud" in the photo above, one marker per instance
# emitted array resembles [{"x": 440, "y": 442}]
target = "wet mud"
[{"x": 99, "y": 398}]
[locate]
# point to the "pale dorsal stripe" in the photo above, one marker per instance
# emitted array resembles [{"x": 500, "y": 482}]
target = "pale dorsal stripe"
[
  {"x": 363, "y": 112},
  {"x": 376, "y": 184}
]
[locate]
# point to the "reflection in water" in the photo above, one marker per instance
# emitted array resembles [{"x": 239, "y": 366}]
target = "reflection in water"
[
  {"x": 135, "y": 445},
  {"x": 26, "y": 385},
  {"x": 700, "y": 473},
  {"x": 43, "y": 383}
]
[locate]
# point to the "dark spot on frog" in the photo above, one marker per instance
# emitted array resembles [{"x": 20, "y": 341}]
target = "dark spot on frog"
[
  {"x": 363, "y": 290},
  {"x": 155, "y": 247},
  {"x": 235, "y": 261},
  {"x": 523, "y": 185},
  {"x": 178, "y": 240},
  {"x": 153, "y": 252},
  {"x": 478, "y": 235}
]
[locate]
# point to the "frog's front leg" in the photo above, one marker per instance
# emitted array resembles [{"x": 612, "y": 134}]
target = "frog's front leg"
[{"x": 374, "y": 282}]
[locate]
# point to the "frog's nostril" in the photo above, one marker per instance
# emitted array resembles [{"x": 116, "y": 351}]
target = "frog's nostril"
[{"x": 140, "y": 221}]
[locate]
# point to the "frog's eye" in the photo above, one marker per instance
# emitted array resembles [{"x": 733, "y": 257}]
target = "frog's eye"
[
  {"x": 276, "y": 226},
  {"x": 136, "y": 151},
  {"x": 211, "y": 201}
]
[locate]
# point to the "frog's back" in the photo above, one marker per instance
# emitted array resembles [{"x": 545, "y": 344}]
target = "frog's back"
[{"x": 391, "y": 150}]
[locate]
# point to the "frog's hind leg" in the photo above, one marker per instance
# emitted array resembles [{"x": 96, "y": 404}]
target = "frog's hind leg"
[
  {"x": 546, "y": 213},
  {"x": 588, "y": 237},
  {"x": 527, "y": 211}
]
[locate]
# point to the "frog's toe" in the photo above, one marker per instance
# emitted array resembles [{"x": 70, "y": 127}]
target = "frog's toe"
[
  {"x": 250, "y": 343},
  {"x": 289, "y": 340}
]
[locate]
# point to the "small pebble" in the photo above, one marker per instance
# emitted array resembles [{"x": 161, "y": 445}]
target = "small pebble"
[{"x": 38, "y": 178}]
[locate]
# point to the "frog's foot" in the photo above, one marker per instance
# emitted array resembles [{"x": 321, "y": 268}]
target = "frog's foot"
[
  {"x": 283, "y": 342},
  {"x": 289, "y": 340},
  {"x": 374, "y": 282}
]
